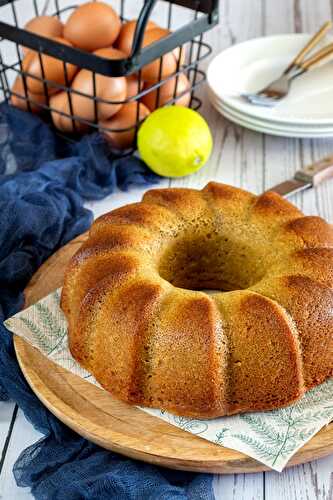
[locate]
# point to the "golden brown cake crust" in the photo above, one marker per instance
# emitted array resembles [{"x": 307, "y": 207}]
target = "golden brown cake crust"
[{"x": 139, "y": 324}]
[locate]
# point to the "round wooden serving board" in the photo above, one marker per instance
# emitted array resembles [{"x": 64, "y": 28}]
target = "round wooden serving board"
[{"x": 114, "y": 425}]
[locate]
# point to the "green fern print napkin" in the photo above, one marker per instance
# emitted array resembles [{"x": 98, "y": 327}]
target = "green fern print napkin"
[{"x": 270, "y": 437}]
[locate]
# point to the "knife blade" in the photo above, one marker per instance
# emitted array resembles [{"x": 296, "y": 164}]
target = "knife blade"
[{"x": 308, "y": 177}]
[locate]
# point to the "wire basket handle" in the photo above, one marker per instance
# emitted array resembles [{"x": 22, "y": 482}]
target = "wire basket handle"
[{"x": 141, "y": 26}]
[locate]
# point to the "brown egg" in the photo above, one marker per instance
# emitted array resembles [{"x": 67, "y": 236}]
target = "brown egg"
[
  {"x": 53, "y": 70},
  {"x": 48, "y": 26},
  {"x": 133, "y": 85},
  {"x": 110, "y": 53},
  {"x": 125, "y": 39},
  {"x": 166, "y": 93},
  {"x": 92, "y": 26},
  {"x": 125, "y": 118},
  {"x": 21, "y": 102},
  {"x": 60, "y": 102},
  {"x": 108, "y": 88},
  {"x": 151, "y": 71}
]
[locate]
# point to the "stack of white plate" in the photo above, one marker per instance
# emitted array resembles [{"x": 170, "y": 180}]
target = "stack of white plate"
[{"x": 307, "y": 111}]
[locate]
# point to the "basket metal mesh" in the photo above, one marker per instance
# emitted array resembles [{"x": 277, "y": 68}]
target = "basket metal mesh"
[{"x": 167, "y": 15}]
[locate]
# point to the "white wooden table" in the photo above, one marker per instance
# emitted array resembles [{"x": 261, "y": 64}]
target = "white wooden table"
[{"x": 252, "y": 161}]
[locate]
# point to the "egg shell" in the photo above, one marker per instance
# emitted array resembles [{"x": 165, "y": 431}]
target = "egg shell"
[
  {"x": 125, "y": 39},
  {"x": 125, "y": 118},
  {"x": 180, "y": 52},
  {"x": 34, "y": 99},
  {"x": 132, "y": 80},
  {"x": 133, "y": 85},
  {"x": 151, "y": 72},
  {"x": 92, "y": 26},
  {"x": 110, "y": 53},
  {"x": 48, "y": 26},
  {"x": 60, "y": 102},
  {"x": 108, "y": 88},
  {"x": 53, "y": 70},
  {"x": 166, "y": 93}
]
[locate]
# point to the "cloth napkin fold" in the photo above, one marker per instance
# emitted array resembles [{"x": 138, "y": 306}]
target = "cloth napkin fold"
[{"x": 43, "y": 183}]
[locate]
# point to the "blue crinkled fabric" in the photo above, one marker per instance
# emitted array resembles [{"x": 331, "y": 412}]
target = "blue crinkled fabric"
[{"x": 44, "y": 181}]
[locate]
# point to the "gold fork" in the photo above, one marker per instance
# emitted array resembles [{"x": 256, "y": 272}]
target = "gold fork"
[{"x": 278, "y": 89}]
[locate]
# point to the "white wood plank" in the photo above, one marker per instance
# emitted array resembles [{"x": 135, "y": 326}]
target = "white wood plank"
[
  {"x": 313, "y": 14},
  {"x": 279, "y": 17},
  {"x": 304, "y": 482},
  {"x": 6, "y": 413},
  {"x": 239, "y": 487},
  {"x": 23, "y": 436},
  {"x": 244, "y": 18}
]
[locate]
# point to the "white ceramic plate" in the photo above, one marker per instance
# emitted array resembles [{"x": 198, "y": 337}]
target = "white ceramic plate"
[
  {"x": 249, "y": 66},
  {"x": 271, "y": 124},
  {"x": 266, "y": 129}
]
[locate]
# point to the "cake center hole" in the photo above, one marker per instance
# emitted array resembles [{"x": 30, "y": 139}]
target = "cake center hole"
[{"x": 210, "y": 262}]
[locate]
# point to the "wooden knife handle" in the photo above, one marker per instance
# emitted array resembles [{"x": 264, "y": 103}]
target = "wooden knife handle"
[{"x": 317, "y": 172}]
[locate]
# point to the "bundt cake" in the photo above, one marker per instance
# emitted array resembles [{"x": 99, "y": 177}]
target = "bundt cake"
[{"x": 139, "y": 322}]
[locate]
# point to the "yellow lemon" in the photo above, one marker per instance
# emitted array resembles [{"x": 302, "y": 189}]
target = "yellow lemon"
[{"x": 174, "y": 141}]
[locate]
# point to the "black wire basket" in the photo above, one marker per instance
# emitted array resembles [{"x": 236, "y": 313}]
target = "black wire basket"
[{"x": 185, "y": 40}]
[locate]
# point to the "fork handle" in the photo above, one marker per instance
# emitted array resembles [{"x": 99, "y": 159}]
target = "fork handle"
[
  {"x": 309, "y": 46},
  {"x": 316, "y": 58}
]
